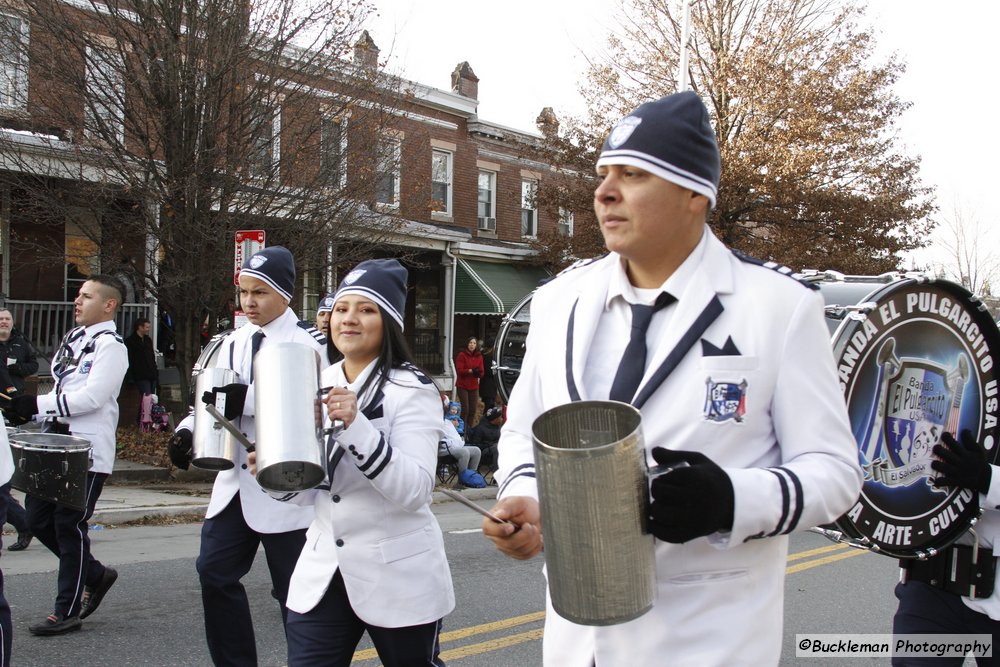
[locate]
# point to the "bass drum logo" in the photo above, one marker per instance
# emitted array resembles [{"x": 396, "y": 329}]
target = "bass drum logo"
[{"x": 920, "y": 362}]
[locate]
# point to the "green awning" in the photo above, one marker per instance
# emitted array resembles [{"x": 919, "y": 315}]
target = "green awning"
[{"x": 485, "y": 288}]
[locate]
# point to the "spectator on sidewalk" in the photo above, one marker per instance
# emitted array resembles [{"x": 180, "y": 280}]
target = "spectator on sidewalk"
[
  {"x": 142, "y": 369},
  {"x": 88, "y": 369},
  {"x": 488, "y": 383},
  {"x": 453, "y": 415},
  {"x": 466, "y": 456},
  {"x": 17, "y": 355},
  {"x": 469, "y": 367},
  {"x": 486, "y": 435}
]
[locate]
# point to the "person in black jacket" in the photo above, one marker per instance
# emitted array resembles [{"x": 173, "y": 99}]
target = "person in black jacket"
[
  {"x": 141, "y": 358},
  {"x": 486, "y": 435},
  {"x": 17, "y": 355}
]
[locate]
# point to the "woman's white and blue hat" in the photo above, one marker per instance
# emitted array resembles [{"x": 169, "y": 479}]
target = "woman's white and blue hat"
[
  {"x": 275, "y": 266},
  {"x": 380, "y": 280},
  {"x": 671, "y": 138}
]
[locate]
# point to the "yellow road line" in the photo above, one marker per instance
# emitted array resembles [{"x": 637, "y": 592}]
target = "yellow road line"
[
  {"x": 792, "y": 569},
  {"x": 815, "y": 552},
  {"x": 533, "y": 635},
  {"x": 473, "y": 630}
]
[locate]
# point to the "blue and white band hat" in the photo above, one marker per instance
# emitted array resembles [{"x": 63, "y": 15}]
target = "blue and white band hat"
[
  {"x": 382, "y": 281},
  {"x": 671, "y": 138},
  {"x": 274, "y": 266},
  {"x": 326, "y": 304}
]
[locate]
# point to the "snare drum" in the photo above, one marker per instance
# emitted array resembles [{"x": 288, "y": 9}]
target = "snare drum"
[
  {"x": 915, "y": 357},
  {"x": 52, "y": 467}
]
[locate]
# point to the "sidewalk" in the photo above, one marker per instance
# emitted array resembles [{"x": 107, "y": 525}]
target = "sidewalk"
[{"x": 137, "y": 491}]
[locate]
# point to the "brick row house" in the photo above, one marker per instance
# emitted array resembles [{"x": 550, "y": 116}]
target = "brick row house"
[{"x": 459, "y": 191}]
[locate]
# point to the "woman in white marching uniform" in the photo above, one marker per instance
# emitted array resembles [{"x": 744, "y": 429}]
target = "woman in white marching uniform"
[{"x": 374, "y": 557}]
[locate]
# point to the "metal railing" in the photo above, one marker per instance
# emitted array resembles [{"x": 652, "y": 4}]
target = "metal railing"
[{"x": 44, "y": 323}]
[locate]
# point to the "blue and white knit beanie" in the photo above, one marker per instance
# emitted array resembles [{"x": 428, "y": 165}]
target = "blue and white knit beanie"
[
  {"x": 381, "y": 280},
  {"x": 671, "y": 138},
  {"x": 275, "y": 266},
  {"x": 326, "y": 304}
]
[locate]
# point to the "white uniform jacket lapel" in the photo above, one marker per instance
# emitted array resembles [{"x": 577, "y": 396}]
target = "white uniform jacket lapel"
[{"x": 587, "y": 306}]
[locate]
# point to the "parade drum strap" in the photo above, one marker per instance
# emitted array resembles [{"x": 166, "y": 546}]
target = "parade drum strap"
[{"x": 919, "y": 360}]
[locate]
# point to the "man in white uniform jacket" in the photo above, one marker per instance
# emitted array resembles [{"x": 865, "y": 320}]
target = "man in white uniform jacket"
[
  {"x": 241, "y": 515},
  {"x": 730, "y": 364},
  {"x": 88, "y": 369}
]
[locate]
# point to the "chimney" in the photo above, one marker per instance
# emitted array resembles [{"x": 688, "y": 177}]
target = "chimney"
[
  {"x": 547, "y": 123},
  {"x": 465, "y": 82},
  {"x": 365, "y": 52}
]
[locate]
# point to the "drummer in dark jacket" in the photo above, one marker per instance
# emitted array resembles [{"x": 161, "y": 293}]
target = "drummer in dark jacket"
[
  {"x": 88, "y": 369},
  {"x": 16, "y": 353}
]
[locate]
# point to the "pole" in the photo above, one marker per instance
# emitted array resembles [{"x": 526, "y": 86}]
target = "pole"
[{"x": 682, "y": 74}]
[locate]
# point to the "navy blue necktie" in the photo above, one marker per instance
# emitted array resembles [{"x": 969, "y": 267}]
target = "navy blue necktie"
[
  {"x": 254, "y": 348},
  {"x": 633, "y": 364}
]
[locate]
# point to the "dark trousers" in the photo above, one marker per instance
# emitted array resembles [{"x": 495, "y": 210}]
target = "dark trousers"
[
  {"x": 64, "y": 531},
  {"x": 328, "y": 634},
  {"x": 228, "y": 547},
  {"x": 6, "y": 627},
  {"x": 924, "y": 609},
  {"x": 469, "y": 398},
  {"x": 15, "y": 513}
]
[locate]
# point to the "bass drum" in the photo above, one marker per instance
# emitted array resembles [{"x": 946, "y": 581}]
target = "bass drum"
[
  {"x": 915, "y": 357},
  {"x": 510, "y": 347}
]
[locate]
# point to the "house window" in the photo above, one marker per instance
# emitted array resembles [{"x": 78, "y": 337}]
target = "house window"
[
  {"x": 565, "y": 222},
  {"x": 104, "y": 116},
  {"x": 487, "y": 200},
  {"x": 387, "y": 169},
  {"x": 441, "y": 181},
  {"x": 83, "y": 251},
  {"x": 13, "y": 62},
  {"x": 265, "y": 141},
  {"x": 333, "y": 149},
  {"x": 529, "y": 211}
]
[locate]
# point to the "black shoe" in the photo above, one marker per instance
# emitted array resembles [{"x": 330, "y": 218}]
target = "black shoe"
[
  {"x": 55, "y": 624},
  {"x": 23, "y": 540},
  {"x": 92, "y": 595}
]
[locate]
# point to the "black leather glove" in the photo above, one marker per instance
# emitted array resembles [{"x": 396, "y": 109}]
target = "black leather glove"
[
  {"x": 692, "y": 501},
  {"x": 180, "y": 449},
  {"x": 962, "y": 464},
  {"x": 236, "y": 396},
  {"x": 19, "y": 409},
  {"x": 478, "y": 373}
]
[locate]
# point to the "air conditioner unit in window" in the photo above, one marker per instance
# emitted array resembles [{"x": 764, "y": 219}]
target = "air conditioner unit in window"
[{"x": 488, "y": 223}]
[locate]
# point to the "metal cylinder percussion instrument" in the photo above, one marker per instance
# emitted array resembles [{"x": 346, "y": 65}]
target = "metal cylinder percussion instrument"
[
  {"x": 289, "y": 444},
  {"x": 598, "y": 555},
  {"x": 51, "y": 466},
  {"x": 214, "y": 448}
]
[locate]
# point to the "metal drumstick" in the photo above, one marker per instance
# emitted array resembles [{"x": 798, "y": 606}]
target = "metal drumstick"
[
  {"x": 455, "y": 495},
  {"x": 229, "y": 426}
]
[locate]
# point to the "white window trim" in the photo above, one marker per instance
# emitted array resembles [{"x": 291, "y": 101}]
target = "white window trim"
[
  {"x": 534, "y": 206},
  {"x": 493, "y": 201},
  {"x": 450, "y": 169},
  {"x": 117, "y": 99},
  {"x": 565, "y": 222},
  {"x": 395, "y": 140},
  {"x": 342, "y": 121},
  {"x": 19, "y": 96},
  {"x": 272, "y": 105}
]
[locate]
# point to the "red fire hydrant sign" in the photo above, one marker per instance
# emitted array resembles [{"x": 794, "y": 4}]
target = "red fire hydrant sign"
[{"x": 248, "y": 241}]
